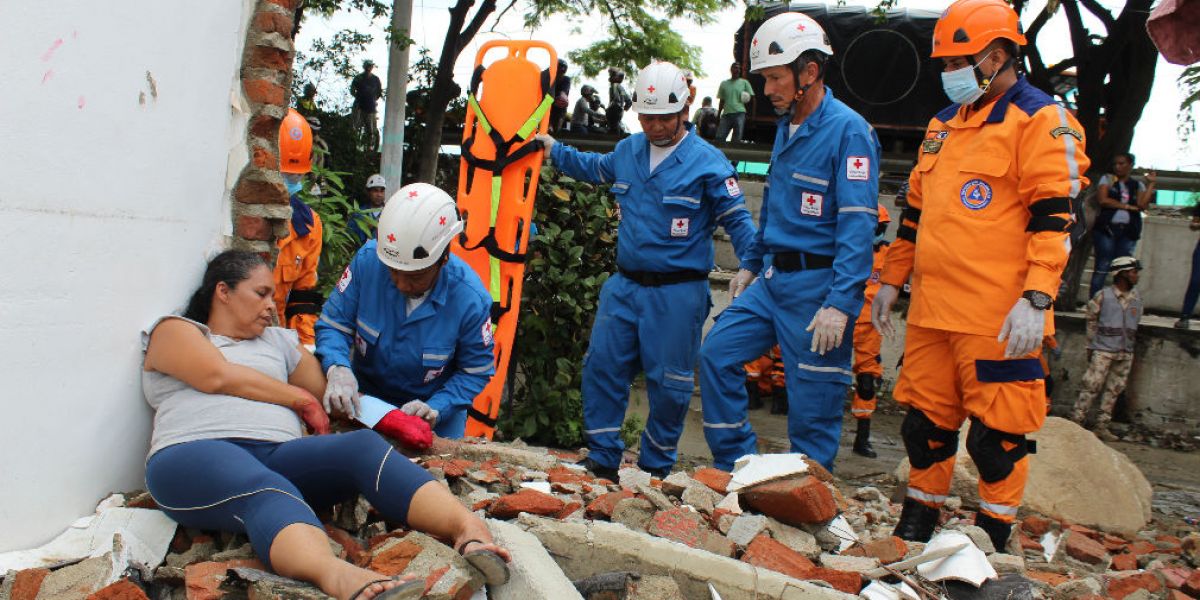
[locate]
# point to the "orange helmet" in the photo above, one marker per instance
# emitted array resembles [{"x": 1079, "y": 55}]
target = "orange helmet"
[
  {"x": 295, "y": 144},
  {"x": 884, "y": 217},
  {"x": 968, "y": 26}
]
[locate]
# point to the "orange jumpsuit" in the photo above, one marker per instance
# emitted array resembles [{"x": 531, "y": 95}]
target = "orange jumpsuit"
[
  {"x": 990, "y": 202},
  {"x": 766, "y": 372},
  {"x": 297, "y": 301},
  {"x": 867, "y": 342}
]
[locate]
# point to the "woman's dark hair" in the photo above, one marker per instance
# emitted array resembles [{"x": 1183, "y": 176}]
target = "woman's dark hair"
[
  {"x": 230, "y": 266},
  {"x": 1127, "y": 155}
]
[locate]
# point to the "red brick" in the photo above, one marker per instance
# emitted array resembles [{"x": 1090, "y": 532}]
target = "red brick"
[
  {"x": 1035, "y": 525},
  {"x": 1141, "y": 548},
  {"x": 267, "y": 57},
  {"x": 393, "y": 559},
  {"x": 458, "y": 467},
  {"x": 817, "y": 470},
  {"x": 289, "y": 5},
  {"x": 1191, "y": 586},
  {"x": 1174, "y": 577},
  {"x": 563, "y": 475},
  {"x": 1085, "y": 549},
  {"x": 119, "y": 590},
  {"x": 603, "y": 505},
  {"x": 264, "y": 159},
  {"x": 254, "y": 228},
  {"x": 565, "y": 455},
  {"x": 793, "y": 501},
  {"x": 203, "y": 580},
  {"x": 264, "y": 92},
  {"x": 887, "y": 550},
  {"x": 716, "y": 479},
  {"x": 1113, "y": 543},
  {"x": 27, "y": 583},
  {"x": 1119, "y": 587},
  {"x": 273, "y": 22},
  {"x": 1177, "y": 595},
  {"x": 484, "y": 504},
  {"x": 1028, "y": 543},
  {"x": 568, "y": 510},
  {"x": 690, "y": 528},
  {"x": 355, "y": 553},
  {"x": 259, "y": 191},
  {"x": 851, "y": 583},
  {"x": 265, "y": 126},
  {"x": 768, "y": 553},
  {"x": 181, "y": 542},
  {"x": 1048, "y": 578},
  {"x": 1124, "y": 562},
  {"x": 377, "y": 540},
  {"x": 526, "y": 500}
]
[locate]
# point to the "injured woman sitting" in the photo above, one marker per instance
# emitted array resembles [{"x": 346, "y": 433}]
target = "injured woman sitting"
[{"x": 232, "y": 397}]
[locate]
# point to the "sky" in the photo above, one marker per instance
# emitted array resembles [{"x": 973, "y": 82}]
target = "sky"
[{"x": 1156, "y": 143}]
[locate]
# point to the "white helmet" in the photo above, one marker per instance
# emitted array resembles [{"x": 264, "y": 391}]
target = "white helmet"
[
  {"x": 661, "y": 89},
  {"x": 416, "y": 226},
  {"x": 375, "y": 181},
  {"x": 782, "y": 38}
]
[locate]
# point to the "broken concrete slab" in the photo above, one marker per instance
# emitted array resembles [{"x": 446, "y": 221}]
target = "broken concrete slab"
[
  {"x": 655, "y": 496},
  {"x": 702, "y": 498},
  {"x": 850, "y": 564},
  {"x": 797, "y": 539},
  {"x": 480, "y": 451},
  {"x": 634, "y": 513},
  {"x": 630, "y": 478},
  {"x": 676, "y": 482},
  {"x": 655, "y": 587},
  {"x": 745, "y": 528},
  {"x": 533, "y": 573},
  {"x": 1071, "y": 469},
  {"x": 585, "y": 549}
]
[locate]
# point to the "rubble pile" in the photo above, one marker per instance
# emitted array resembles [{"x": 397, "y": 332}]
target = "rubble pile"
[{"x": 776, "y": 529}]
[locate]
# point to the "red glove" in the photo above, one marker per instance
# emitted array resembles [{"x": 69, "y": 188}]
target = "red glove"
[
  {"x": 412, "y": 431},
  {"x": 311, "y": 413}
]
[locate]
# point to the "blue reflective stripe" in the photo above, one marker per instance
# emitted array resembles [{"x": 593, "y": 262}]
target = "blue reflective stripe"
[{"x": 1003, "y": 371}]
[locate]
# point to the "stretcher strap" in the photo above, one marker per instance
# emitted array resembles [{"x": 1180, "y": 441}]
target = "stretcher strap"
[
  {"x": 906, "y": 233},
  {"x": 483, "y": 418}
]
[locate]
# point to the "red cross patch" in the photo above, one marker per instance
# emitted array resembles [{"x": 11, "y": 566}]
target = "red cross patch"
[
  {"x": 650, "y": 89},
  {"x": 858, "y": 168},
  {"x": 392, "y": 238},
  {"x": 679, "y": 227},
  {"x": 442, "y": 221},
  {"x": 811, "y": 204}
]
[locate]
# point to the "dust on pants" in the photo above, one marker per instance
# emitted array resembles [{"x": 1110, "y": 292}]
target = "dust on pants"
[{"x": 1107, "y": 371}]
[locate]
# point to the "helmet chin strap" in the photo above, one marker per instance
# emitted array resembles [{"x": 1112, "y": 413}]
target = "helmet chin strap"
[{"x": 985, "y": 82}]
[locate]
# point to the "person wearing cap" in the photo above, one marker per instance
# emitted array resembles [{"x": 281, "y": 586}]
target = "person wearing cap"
[
  {"x": 618, "y": 101},
  {"x": 672, "y": 190},
  {"x": 1112, "y": 321},
  {"x": 366, "y": 90},
  {"x": 408, "y": 322},
  {"x": 297, "y": 301},
  {"x": 812, "y": 255},
  {"x": 588, "y": 116},
  {"x": 561, "y": 92},
  {"x": 732, "y": 97},
  {"x": 376, "y": 197},
  {"x": 985, "y": 240}
]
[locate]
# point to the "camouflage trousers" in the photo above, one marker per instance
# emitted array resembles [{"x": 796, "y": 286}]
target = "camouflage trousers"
[{"x": 1107, "y": 373}]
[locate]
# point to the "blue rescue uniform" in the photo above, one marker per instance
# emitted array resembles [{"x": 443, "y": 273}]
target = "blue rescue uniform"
[
  {"x": 816, "y": 229},
  {"x": 441, "y": 353},
  {"x": 652, "y": 311}
]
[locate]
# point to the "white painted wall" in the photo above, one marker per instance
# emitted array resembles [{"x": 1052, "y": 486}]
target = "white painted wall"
[{"x": 113, "y": 190}]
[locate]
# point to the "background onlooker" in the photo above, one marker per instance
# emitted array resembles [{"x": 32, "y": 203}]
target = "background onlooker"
[
  {"x": 561, "y": 90},
  {"x": 733, "y": 95},
  {"x": 587, "y": 118},
  {"x": 1112, "y": 321},
  {"x": 367, "y": 90},
  {"x": 706, "y": 119},
  {"x": 618, "y": 100},
  {"x": 1119, "y": 225},
  {"x": 1193, "y": 288}
]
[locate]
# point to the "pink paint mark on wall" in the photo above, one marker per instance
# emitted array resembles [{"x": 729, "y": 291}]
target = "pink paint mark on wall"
[
  {"x": 49, "y": 53},
  {"x": 49, "y": 74},
  {"x": 81, "y": 102}
]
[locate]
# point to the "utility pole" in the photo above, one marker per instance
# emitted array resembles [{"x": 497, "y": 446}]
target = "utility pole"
[{"x": 392, "y": 141}]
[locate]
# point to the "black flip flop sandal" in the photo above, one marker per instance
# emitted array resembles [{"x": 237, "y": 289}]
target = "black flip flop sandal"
[
  {"x": 409, "y": 590},
  {"x": 491, "y": 565}
]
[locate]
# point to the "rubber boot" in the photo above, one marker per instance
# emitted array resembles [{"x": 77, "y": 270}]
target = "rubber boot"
[
  {"x": 752, "y": 392},
  {"x": 779, "y": 402},
  {"x": 862, "y": 439},
  {"x": 600, "y": 470},
  {"x": 996, "y": 529},
  {"x": 916, "y": 521}
]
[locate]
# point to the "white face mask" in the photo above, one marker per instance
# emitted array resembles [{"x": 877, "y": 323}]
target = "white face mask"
[{"x": 962, "y": 86}]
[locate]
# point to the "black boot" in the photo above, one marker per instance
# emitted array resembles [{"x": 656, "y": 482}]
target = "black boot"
[
  {"x": 916, "y": 521},
  {"x": 599, "y": 470},
  {"x": 862, "y": 439},
  {"x": 779, "y": 402},
  {"x": 996, "y": 529},
  {"x": 752, "y": 392}
]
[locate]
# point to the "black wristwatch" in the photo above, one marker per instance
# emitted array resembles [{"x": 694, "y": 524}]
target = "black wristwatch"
[{"x": 1039, "y": 300}]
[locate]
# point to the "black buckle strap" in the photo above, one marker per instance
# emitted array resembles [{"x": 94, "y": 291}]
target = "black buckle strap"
[
  {"x": 800, "y": 261},
  {"x": 655, "y": 279},
  {"x": 303, "y": 302},
  {"x": 474, "y": 413}
]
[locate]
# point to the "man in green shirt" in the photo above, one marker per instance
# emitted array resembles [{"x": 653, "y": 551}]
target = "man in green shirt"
[{"x": 734, "y": 94}]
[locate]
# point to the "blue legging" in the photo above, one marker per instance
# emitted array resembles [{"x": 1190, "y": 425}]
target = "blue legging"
[
  {"x": 261, "y": 487},
  {"x": 1193, "y": 288}
]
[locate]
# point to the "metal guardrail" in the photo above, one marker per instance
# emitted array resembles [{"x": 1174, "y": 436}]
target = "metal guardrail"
[{"x": 894, "y": 167}]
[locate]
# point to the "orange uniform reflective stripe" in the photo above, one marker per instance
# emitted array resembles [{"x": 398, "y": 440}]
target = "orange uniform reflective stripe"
[
  {"x": 296, "y": 269},
  {"x": 994, "y": 184}
]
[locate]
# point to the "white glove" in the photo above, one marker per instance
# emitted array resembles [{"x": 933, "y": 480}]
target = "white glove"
[
  {"x": 827, "y": 327},
  {"x": 881, "y": 309},
  {"x": 1023, "y": 328},
  {"x": 418, "y": 408},
  {"x": 341, "y": 391},
  {"x": 740, "y": 282},
  {"x": 547, "y": 141}
]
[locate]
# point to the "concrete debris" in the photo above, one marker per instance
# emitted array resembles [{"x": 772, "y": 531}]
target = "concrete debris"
[
  {"x": 533, "y": 573},
  {"x": 634, "y": 513},
  {"x": 701, "y": 498},
  {"x": 144, "y": 536},
  {"x": 878, "y": 590},
  {"x": 968, "y": 564},
  {"x": 745, "y": 528},
  {"x": 755, "y": 469},
  {"x": 630, "y": 478}
]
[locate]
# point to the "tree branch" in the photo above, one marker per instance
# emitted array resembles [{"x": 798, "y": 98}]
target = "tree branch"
[
  {"x": 1036, "y": 65},
  {"x": 499, "y": 16},
  {"x": 1062, "y": 66},
  {"x": 1100, "y": 12},
  {"x": 485, "y": 9},
  {"x": 616, "y": 23}
]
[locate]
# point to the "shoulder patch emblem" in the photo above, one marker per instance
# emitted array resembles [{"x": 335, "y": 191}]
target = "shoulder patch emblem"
[
  {"x": 731, "y": 186},
  {"x": 345, "y": 280},
  {"x": 858, "y": 168},
  {"x": 486, "y": 333},
  {"x": 811, "y": 204},
  {"x": 1058, "y": 132},
  {"x": 975, "y": 194}
]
